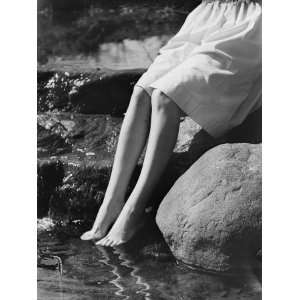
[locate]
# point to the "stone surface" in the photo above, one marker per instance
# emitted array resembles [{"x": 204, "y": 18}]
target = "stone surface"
[
  {"x": 50, "y": 176},
  {"x": 81, "y": 166},
  {"x": 100, "y": 91},
  {"x": 78, "y": 138},
  {"x": 108, "y": 94},
  {"x": 211, "y": 217},
  {"x": 79, "y": 119}
]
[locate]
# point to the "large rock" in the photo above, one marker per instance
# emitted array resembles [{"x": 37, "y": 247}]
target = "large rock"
[
  {"x": 211, "y": 217},
  {"x": 99, "y": 92}
]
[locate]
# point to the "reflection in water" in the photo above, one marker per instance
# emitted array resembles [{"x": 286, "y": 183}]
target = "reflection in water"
[
  {"x": 115, "y": 270},
  {"x": 130, "y": 273},
  {"x": 61, "y": 291},
  {"x": 115, "y": 259},
  {"x": 145, "y": 287}
]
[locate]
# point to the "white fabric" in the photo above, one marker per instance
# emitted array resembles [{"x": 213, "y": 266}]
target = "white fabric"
[{"x": 212, "y": 67}]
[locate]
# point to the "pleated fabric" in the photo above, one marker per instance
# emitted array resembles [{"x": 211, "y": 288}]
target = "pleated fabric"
[{"x": 212, "y": 67}]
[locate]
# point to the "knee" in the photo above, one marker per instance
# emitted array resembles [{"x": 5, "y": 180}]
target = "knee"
[
  {"x": 163, "y": 104},
  {"x": 160, "y": 102},
  {"x": 139, "y": 96}
]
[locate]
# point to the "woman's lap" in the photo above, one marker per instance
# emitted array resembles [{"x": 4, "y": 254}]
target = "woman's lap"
[{"x": 210, "y": 81}]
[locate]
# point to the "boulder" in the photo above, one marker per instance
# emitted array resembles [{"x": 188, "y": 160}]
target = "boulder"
[
  {"x": 211, "y": 217},
  {"x": 99, "y": 92}
]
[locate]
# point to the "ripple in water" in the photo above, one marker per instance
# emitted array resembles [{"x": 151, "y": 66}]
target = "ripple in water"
[{"x": 91, "y": 272}]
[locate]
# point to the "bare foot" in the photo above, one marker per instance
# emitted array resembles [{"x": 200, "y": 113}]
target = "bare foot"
[
  {"x": 127, "y": 224},
  {"x": 107, "y": 214}
]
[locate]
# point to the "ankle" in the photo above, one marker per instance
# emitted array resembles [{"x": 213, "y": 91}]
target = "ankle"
[
  {"x": 133, "y": 209},
  {"x": 110, "y": 201}
]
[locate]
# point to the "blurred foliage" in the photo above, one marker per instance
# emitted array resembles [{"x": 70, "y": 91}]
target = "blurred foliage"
[{"x": 79, "y": 27}]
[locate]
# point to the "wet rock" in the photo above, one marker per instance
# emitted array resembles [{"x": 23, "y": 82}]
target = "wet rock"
[
  {"x": 81, "y": 193},
  {"x": 78, "y": 138},
  {"x": 45, "y": 224},
  {"x": 53, "y": 89},
  {"x": 100, "y": 91},
  {"x": 85, "y": 154},
  {"x": 110, "y": 94},
  {"x": 49, "y": 177},
  {"x": 49, "y": 262},
  {"x": 50, "y": 142},
  {"x": 68, "y": 192},
  {"x": 211, "y": 217},
  {"x": 85, "y": 177}
]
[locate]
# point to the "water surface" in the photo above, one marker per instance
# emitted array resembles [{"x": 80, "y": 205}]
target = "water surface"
[{"x": 95, "y": 272}]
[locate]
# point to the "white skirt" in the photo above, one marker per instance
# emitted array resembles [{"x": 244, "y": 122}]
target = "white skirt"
[{"x": 212, "y": 67}]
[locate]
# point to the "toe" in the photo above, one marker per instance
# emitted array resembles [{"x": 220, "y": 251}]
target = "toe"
[
  {"x": 114, "y": 243},
  {"x": 120, "y": 242},
  {"x": 87, "y": 236},
  {"x": 102, "y": 241},
  {"x": 110, "y": 243},
  {"x": 107, "y": 242}
]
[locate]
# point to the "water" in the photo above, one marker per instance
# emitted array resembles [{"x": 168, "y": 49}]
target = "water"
[
  {"x": 84, "y": 35},
  {"x": 78, "y": 138},
  {"x": 128, "y": 54},
  {"x": 132, "y": 272}
]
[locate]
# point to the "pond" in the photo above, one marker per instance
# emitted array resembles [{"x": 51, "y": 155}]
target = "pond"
[{"x": 95, "y": 272}]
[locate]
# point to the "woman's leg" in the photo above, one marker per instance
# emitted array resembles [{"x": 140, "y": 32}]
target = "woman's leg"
[
  {"x": 132, "y": 139},
  {"x": 165, "y": 119}
]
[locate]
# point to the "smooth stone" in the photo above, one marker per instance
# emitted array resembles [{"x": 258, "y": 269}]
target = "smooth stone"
[{"x": 211, "y": 217}]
